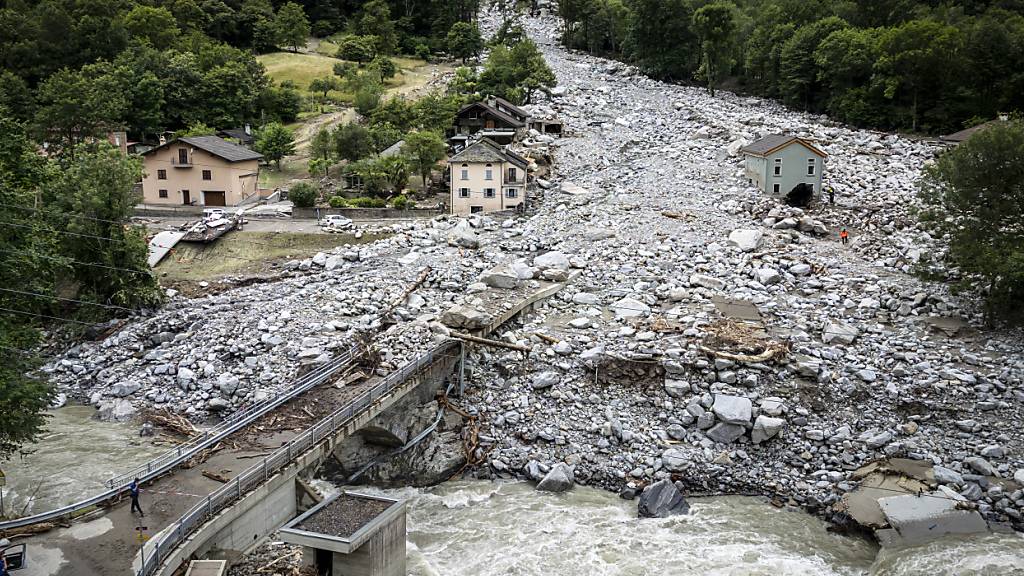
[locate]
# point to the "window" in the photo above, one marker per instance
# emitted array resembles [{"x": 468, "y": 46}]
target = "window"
[
  {"x": 511, "y": 193},
  {"x": 465, "y": 171},
  {"x": 488, "y": 192},
  {"x": 463, "y": 192},
  {"x": 162, "y": 193},
  {"x": 775, "y": 188},
  {"x": 511, "y": 174},
  {"x": 488, "y": 173},
  {"x": 182, "y": 156},
  {"x": 810, "y": 166},
  {"x": 161, "y": 174},
  {"x": 207, "y": 175},
  {"x": 778, "y": 166}
]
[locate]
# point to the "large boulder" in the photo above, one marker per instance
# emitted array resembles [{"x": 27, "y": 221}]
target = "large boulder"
[
  {"x": 674, "y": 460},
  {"x": 732, "y": 409},
  {"x": 725, "y": 433},
  {"x": 463, "y": 236},
  {"x": 559, "y": 479},
  {"x": 705, "y": 281},
  {"x": 501, "y": 277},
  {"x": 661, "y": 500},
  {"x": 122, "y": 389},
  {"x": 545, "y": 380},
  {"x": 746, "y": 240},
  {"x": 120, "y": 410},
  {"x": 839, "y": 333},
  {"x": 552, "y": 260},
  {"x": 630, "y": 308},
  {"x": 466, "y": 317},
  {"x": 766, "y": 427}
]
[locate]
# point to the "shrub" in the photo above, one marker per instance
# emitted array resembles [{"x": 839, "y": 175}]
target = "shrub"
[
  {"x": 400, "y": 202},
  {"x": 423, "y": 52},
  {"x": 365, "y": 202},
  {"x": 337, "y": 202},
  {"x": 303, "y": 195}
]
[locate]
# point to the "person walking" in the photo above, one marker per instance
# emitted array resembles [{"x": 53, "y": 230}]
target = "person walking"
[
  {"x": 831, "y": 195},
  {"x": 844, "y": 236},
  {"x": 133, "y": 491}
]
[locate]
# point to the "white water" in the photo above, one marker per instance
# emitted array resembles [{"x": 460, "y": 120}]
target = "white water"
[
  {"x": 470, "y": 528},
  {"x": 72, "y": 460}
]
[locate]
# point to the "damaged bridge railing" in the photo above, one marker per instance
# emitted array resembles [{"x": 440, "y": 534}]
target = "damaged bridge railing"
[
  {"x": 183, "y": 452},
  {"x": 164, "y": 543}
]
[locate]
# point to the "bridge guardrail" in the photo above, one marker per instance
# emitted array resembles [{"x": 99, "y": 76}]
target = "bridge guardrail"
[
  {"x": 170, "y": 538},
  {"x": 169, "y": 460}
]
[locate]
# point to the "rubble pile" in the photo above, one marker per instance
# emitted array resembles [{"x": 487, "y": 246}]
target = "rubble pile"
[{"x": 655, "y": 208}]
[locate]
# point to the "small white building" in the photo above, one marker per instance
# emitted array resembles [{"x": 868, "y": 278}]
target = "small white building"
[{"x": 778, "y": 163}]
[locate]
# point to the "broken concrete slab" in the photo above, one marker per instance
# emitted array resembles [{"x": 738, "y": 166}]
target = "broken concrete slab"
[{"x": 920, "y": 518}]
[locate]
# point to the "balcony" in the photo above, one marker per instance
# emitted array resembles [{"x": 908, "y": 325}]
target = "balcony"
[{"x": 179, "y": 163}]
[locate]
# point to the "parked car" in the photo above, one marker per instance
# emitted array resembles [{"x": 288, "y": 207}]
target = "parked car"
[
  {"x": 335, "y": 221},
  {"x": 214, "y": 213}
]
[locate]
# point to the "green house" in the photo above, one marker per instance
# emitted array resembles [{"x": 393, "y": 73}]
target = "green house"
[{"x": 778, "y": 163}]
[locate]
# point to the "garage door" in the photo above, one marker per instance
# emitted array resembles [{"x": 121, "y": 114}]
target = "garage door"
[{"x": 213, "y": 198}]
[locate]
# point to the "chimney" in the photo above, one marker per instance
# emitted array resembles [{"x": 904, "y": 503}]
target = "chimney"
[{"x": 163, "y": 139}]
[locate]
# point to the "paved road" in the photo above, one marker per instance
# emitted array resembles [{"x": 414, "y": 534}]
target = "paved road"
[{"x": 270, "y": 225}]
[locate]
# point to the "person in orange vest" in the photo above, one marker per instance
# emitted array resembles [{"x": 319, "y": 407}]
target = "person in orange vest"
[{"x": 844, "y": 236}]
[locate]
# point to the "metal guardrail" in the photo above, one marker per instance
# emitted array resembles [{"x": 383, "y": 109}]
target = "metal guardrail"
[
  {"x": 168, "y": 461},
  {"x": 169, "y": 539}
]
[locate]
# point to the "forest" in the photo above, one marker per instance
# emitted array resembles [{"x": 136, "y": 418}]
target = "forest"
[{"x": 929, "y": 67}]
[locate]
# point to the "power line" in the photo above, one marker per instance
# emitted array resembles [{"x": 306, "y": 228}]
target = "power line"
[
  {"x": 82, "y": 216},
  {"x": 24, "y": 313},
  {"x": 110, "y": 306},
  {"x": 56, "y": 259},
  {"x": 66, "y": 232}
]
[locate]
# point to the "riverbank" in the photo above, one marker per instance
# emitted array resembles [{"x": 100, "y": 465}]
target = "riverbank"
[{"x": 477, "y": 528}]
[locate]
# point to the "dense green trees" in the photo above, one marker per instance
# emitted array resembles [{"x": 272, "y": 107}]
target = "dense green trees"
[
  {"x": 925, "y": 66},
  {"x": 515, "y": 72},
  {"x": 465, "y": 41},
  {"x": 975, "y": 199},
  {"x": 64, "y": 231},
  {"x": 424, "y": 150}
]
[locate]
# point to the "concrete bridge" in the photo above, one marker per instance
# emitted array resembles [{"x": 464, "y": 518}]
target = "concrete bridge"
[{"x": 189, "y": 515}]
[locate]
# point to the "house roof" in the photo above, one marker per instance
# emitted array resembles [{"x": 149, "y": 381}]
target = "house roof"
[
  {"x": 966, "y": 133},
  {"x": 486, "y": 150},
  {"x": 214, "y": 145},
  {"x": 236, "y": 133},
  {"x": 773, "y": 142},
  {"x": 494, "y": 112},
  {"x": 512, "y": 107}
]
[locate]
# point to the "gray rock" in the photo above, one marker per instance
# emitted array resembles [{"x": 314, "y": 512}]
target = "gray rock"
[
  {"x": 732, "y": 409},
  {"x": 766, "y": 427},
  {"x": 545, "y": 380},
  {"x": 980, "y": 465},
  {"x": 706, "y": 282},
  {"x": 768, "y": 276},
  {"x": 227, "y": 383},
  {"x": 725, "y": 433},
  {"x": 676, "y": 388},
  {"x": 661, "y": 500},
  {"x": 459, "y": 316},
  {"x": 944, "y": 475},
  {"x": 746, "y": 240},
  {"x": 120, "y": 410},
  {"x": 463, "y": 236},
  {"x": 585, "y": 299},
  {"x": 559, "y": 479},
  {"x": 839, "y": 333},
  {"x": 501, "y": 277},
  {"x": 630, "y": 308},
  {"x": 218, "y": 404},
  {"x": 122, "y": 389},
  {"x": 674, "y": 460},
  {"x": 878, "y": 440},
  {"x": 552, "y": 260}
]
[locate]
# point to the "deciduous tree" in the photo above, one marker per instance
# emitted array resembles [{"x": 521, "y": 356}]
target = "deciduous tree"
[
  {"x": 292, "y": 26},
  {"x": 424, "y": 150},
  {"x": 275, "y": 142},
  {"x": 975, "y": 202}
]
